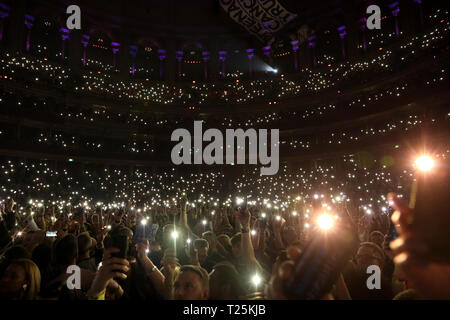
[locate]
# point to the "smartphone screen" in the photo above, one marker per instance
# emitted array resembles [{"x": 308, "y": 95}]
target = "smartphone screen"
[
  {"x": 120, "y": 242},
  {"x": 51, "y": 234}
]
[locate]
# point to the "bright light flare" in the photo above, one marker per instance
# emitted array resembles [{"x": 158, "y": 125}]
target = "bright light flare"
[
  {"x": 256, "y": 280},
  {"x": 325, "y": 221},
  {"x": 424, "y": 163}
]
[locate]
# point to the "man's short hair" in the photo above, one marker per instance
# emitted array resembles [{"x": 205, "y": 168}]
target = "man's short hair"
[
  {"x": 375, "y": 247},
  {"x": 16, "y": 252},
  {"x": 236, "y": 238},
  {"x": 168, "y": 227},
  {"x": 84, "y": 243},
  {"x": 227, "y": 274},
  {"x": 201, "y": 243},
  {"x": 409, "y": 294},
  {"x": 66, "y": 250},
  {"x": 202, "y": 273},
  {"x": 207, "y": 233},
  {"x": 376, "y": 232},
  {"x": 225, "y": 237}
]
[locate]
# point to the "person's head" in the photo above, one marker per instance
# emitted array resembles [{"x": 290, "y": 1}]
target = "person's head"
[
  {"x": 209, "y": 236},
  {"x": 74, "y": 227},
  {"x": 369, "y": 254},
  {"x": 21, "y": 280},
  {"x": 66, "y": 250},
  {"x": 118, "y": 214},
  {"x": 95, "y": 219},
  {"x": 32, "y": 239},
  {"x": 225, "y": 241},
  {"x": 42, "y": 256},
  {"x": 167, "y": 233},
  {"x": 16, "y": 252},
  {"x": 289, "y": 235},
  {"x": 84, "y": 244},
  {"x": 129, "y": 233},
  {"x": 282, "y": 257},
  {"x": 191, "y": 283},
  {"x": 115, "y": 232},
  {"x": 236, "y": 245},
  {"x": 409, "y": 294},
  {"x": 202, "y": 247},
  {"x": 224, "y": 282},
  {"x": 377, "y": 237}
]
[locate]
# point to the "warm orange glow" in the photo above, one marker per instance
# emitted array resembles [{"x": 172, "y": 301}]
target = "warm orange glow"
[{"x": 424, "y": 163}]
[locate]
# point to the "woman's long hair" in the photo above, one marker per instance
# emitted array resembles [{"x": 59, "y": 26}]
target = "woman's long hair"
[{"x": 33, "y": 278}]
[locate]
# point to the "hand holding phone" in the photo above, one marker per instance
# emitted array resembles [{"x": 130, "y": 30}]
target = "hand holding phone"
[
  {"x": 320, "y": 264},
  {"x": 120, "y": 242}
]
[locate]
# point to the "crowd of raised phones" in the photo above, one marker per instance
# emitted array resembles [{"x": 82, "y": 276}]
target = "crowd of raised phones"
[
  {"x": 186, "y": 240},
  {"x": 140, "y": 233}
]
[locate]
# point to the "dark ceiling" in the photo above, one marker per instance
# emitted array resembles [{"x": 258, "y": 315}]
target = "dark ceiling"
[{"x": 191, "y": 18}]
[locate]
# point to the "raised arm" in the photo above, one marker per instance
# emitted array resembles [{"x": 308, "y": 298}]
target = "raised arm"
[
  {"x": 243, "y": 218},
  {"x": 151, "y": 270}
]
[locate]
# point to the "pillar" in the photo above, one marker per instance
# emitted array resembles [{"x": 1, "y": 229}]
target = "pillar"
[
  {"x": 222, "y": 58},
  {"x": 84, "y": 41},
  {"x": 4, "y": 13},
  {"x": 295, "y": 48},
  {"x": 342, "y": 33},
  {"x": 250, "y": 55},
  {"x": 65, "y": 35},
  {"x": 179, "y": 57},
  {"x": 162, "y": 57},
  {"x": 395, "y": 9},
  {"x": 133, "y": 53},
  {"x": 312, "y": 49},
  {"x": 206, "y": 58},
  {"x": 115, "y": 48},
  {"x": 29, "y": 22}
]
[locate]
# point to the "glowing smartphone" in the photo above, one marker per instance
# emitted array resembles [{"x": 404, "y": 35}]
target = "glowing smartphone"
[{"x": 51, "y": 234}]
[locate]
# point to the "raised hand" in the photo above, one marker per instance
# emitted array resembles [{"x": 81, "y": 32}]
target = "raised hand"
[
  {"x": 243, "y": 217},
  {"x": 141, "y": 248},
  {"x": 432, "y": 279},
  {"x": 170, "y": 263},
  {"x": 112, "y": 267}
]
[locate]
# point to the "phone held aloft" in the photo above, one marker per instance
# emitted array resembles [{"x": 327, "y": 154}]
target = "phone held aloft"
[
  {"x": 431, "y": 219},
  {"x": 320, "y": 264},
  {"x": 119, "y": 241}
]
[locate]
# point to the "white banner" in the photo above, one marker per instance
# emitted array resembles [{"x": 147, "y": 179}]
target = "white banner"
[{"x": 262, "y": 18}]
